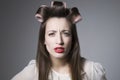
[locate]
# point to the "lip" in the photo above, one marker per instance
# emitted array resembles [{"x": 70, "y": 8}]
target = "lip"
[{"x": 59, "y": 49}]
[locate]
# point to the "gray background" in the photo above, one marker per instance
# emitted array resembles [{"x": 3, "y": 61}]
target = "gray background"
[{"x": 99, "y": 34}]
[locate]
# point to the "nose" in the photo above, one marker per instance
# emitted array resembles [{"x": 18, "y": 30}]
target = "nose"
[{"x": 59, "y": 39}]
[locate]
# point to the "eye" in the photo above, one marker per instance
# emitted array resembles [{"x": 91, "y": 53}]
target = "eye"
[
  {"x": 51, "y": 34},
  {"x": 67, "y": 34}
]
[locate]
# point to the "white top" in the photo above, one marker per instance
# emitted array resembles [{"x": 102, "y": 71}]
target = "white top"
[{"x": 93, "y": 71}]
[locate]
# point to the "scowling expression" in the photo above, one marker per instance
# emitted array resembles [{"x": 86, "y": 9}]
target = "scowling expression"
[{"x": 58, "y": 37}]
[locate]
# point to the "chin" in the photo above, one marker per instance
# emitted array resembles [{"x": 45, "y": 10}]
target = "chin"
[{"x": 59, "y": 56}]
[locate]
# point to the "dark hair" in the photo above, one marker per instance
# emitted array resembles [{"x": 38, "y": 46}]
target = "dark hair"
[{"x": 74, "y": 58}]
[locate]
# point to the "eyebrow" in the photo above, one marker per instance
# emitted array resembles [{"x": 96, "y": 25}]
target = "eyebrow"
[
  {"x": 56, "y": 31},
  {"x": 66, "y": 30},
  {"x": 51, "y": 31}
]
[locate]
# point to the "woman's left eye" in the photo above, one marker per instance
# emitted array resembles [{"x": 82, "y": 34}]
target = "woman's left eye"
[{"x": 67, "y": 34}]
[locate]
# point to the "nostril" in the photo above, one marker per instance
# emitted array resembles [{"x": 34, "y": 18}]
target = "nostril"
[{"x": 61, "y": 43}]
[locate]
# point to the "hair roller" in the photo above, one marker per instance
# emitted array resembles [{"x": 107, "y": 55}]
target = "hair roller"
[
  {"x": 41, "y": 12},
  {"x": 58, "y": 3},
  {"x": 75, "y": 15},
  {"x": 58, "y": 9}
]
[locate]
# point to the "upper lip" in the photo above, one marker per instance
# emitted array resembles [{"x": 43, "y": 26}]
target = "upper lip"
[{"x": 59, "y": 48}]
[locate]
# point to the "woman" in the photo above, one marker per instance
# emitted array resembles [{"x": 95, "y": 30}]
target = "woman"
[{"x": 58, "y": 55}]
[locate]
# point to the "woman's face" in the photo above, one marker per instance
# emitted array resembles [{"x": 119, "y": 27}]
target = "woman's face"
[{"x": 58, "y": 37}]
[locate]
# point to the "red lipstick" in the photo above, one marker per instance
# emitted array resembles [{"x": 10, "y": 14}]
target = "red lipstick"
[{"x": 59, "y": 49}]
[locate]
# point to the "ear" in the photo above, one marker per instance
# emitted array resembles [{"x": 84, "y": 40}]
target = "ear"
[{"x": 76, "y": 17}]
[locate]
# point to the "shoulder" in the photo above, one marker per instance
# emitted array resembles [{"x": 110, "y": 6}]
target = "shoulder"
[
  {"x": 94, "y": 70},
  {"x": 28, "y": 73}
]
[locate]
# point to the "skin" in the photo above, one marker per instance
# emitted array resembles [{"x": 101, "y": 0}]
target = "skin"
[{"x": 58, "y": 34}]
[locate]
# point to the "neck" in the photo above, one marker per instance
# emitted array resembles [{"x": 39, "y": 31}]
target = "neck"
[
  {"x": 58, "y": 62},
  {"x": 60, "y": 65}
]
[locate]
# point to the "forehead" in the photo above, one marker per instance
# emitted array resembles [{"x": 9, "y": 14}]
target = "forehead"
[{"x": 57, "y": 23}]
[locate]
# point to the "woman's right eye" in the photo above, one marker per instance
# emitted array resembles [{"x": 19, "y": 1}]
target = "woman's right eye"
[{"x": 51, "y": 34}]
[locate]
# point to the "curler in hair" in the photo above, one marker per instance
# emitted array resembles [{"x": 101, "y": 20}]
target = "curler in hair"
[{"x": 75, "y": 15}]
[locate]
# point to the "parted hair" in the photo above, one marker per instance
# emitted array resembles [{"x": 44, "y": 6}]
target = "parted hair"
[{"x": 76, "y": 62}]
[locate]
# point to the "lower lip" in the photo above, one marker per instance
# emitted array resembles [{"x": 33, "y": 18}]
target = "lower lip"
[{"x": 59, "y": 50}]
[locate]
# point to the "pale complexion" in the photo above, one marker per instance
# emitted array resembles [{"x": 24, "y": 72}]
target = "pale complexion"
[{"x": 58, "y": 34}]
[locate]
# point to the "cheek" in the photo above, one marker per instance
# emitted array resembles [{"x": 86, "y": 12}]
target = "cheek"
[
  {"x": 47, "y": 41},
  {"x": 49, "y": 44},
  {"x": 68, "y": 42}
]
